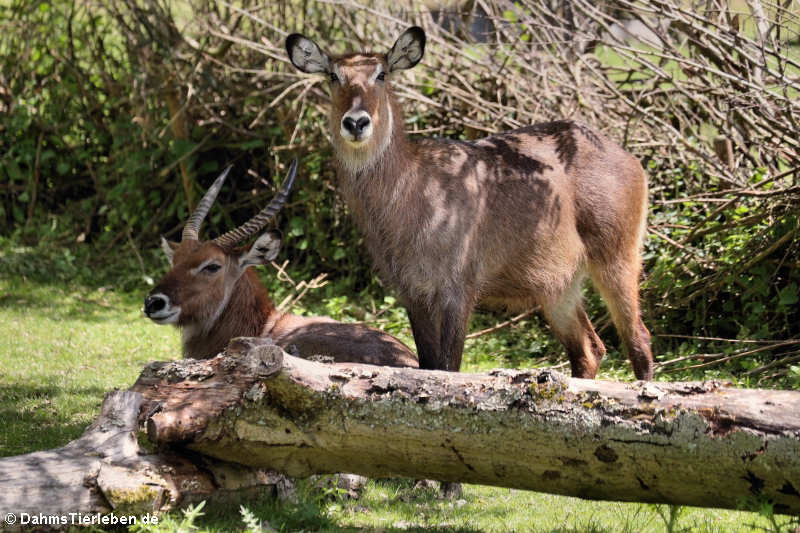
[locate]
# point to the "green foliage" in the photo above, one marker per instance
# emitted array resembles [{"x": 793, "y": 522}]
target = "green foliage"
[
  {"x": 723, "y": 268},
  {"x": 71, "y": 149},
  {"x": 251, "y": 522},
  {"x": 88, "y": 150}
]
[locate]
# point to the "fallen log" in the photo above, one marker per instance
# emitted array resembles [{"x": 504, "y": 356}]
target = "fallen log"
[
  {"x": 105, "y": 478},
  {"x": 702, "y": 444}
]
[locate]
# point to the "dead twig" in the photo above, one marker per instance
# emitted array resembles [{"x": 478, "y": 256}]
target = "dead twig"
[
  {"x": 504, "y": 324},
  {"x": 736, "y": 356}
]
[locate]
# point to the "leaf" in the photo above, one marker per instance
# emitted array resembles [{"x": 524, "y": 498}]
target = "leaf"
[
  {"x": 63, "y": 167},
  {"x": 297, "y": 226},
  {"x": 249, "y": 145},
  {"x": 19, "y": 215},
  {"x": 788, "y": 295},
  {"x": 14, "y": 173},
  {"x": 181, "y": 147}
]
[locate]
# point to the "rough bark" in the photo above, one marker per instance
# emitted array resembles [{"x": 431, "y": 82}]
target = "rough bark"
[
  {"x": 703, "y": 444},
  {"x": 106, "y": 470}
]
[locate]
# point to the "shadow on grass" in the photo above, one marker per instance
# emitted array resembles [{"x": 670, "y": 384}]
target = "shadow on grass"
[
  {"x": 310, "y": 514},
  {"x": 32, "y": 422},
  {"x": 55, "y": 300},
  {"x": 58, "y": 266}
]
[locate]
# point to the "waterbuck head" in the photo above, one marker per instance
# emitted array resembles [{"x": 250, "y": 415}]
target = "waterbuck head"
[
  {"x": 209, "y": 276},
  {"x": 363, "y": 109}
]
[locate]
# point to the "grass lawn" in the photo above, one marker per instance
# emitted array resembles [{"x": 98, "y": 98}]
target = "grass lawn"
[{"x": 62, "y": 346}]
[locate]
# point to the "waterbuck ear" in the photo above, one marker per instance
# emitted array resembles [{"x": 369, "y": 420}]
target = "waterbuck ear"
[
  {"x": 264, "y": 250},
  {"x": 407, "y": 50},
  {"x": 169, "y": 248},
  {"x": 306, "y": 55}
]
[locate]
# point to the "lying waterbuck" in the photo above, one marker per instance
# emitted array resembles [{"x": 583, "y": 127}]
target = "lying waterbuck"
[
  {"x": 513, "y": 220},
  {"x": 213, "y": 296}
]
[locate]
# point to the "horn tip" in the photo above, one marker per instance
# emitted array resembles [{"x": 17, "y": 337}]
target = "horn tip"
[{"x": 289, "y": 182}]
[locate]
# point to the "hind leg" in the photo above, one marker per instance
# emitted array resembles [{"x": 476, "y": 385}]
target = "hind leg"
[
  {"x": 618, "y": 284},
  {"x": 572, "y": 327}
]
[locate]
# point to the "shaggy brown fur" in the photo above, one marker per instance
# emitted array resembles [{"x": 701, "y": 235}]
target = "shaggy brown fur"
[{"x": 513, "y": 220}]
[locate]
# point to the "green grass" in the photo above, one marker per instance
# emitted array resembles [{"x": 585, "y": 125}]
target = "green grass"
[
  {"x": 396, "y": 505},
  {"x": 64, "y": 344},
  {"x": 61, "y": 350}
]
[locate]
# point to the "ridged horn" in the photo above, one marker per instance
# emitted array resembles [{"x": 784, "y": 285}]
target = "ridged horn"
[
  {"x": 191, "y": 230},
  {"x": 249, "y": 228}
]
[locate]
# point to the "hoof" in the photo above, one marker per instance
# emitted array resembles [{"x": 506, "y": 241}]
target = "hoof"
[{"x": 450, "y": 491}]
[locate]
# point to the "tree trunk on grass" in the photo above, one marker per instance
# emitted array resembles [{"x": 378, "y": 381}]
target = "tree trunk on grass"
[
  {"x": 106, "y": 471},
  {"x": 702, "y": 444}
]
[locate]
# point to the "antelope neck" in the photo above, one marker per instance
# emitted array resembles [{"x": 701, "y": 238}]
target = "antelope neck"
[{"x": 245, "y": 314}]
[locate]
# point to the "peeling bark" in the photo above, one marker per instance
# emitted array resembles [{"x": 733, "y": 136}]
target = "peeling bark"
[{"x": 702, "y": 444}]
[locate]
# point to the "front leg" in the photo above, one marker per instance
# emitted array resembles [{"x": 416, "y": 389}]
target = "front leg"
[
  {"x": 434, "y": 328},
  {"x": 454, "y": 319},
  {"x": 440, "y": 328},
  {"x": 425, "y": 326}
]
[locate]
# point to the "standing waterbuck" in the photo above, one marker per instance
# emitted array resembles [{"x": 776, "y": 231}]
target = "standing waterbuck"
[
  {"x": 513, "y": 220},
  {"x": 213, "y": 296}
]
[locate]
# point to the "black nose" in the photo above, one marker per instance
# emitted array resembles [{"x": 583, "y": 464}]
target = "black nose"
[
  {"x": 154, "y": 304},
  {"x": 355, "y": 127}
]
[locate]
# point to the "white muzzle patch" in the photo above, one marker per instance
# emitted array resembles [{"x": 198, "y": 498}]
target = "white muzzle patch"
[
  {"x": 168, "y": 316},
  {"x": 160, "y": 310}
]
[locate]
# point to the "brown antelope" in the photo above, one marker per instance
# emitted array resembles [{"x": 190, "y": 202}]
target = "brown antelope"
[
  {"x": 213, "y": 296},
  {"x": 513, "y": 220}
]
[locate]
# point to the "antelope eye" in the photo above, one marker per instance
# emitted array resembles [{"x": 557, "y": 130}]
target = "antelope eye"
[
  {"x": 211, "y": 268},
  {"x": 334, "y": 77},
  {"x": 381, "y": 76}
]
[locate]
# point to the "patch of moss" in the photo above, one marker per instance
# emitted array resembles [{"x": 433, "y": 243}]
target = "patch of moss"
[{"x": 136, "y": 502}]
